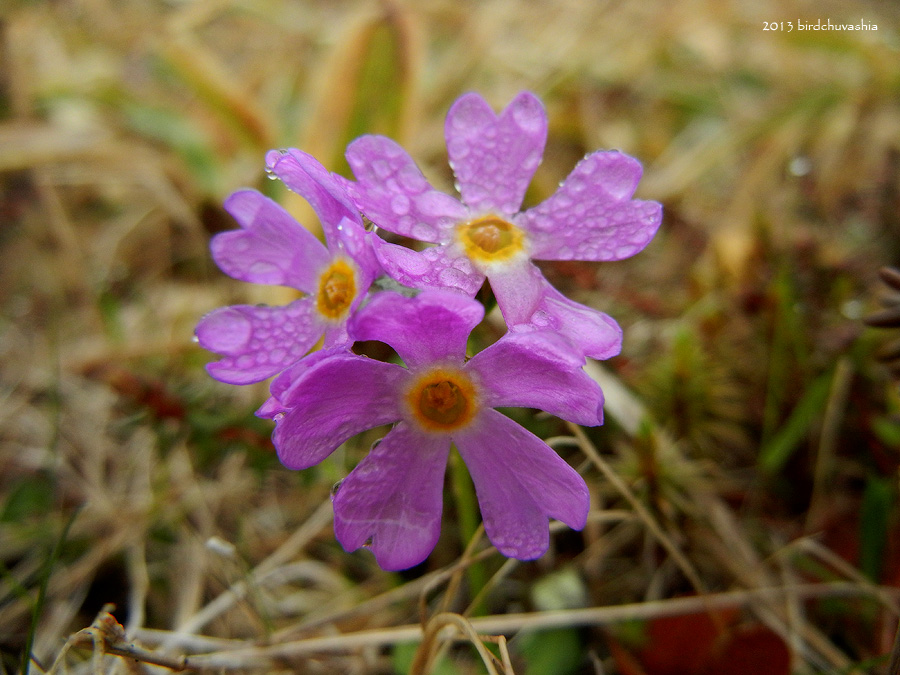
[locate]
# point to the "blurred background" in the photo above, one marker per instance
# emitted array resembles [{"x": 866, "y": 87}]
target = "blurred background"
[{"x": 753, "y": 420}]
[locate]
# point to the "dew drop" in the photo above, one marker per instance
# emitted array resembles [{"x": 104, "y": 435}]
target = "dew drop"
[
  {"x": 195, "y": 339},
  {"x": 335, "y": 488},
  {"x": 423, "y": 232}
]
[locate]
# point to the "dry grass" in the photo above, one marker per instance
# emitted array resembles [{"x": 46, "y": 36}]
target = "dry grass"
[{"x": 749, "y": 461}]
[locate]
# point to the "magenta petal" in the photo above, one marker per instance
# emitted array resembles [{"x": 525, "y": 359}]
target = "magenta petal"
[
  {"x": 520, "y": 482},
  {"x": 596, "y": 334},
  {"x": 592, "y": 216},
  {"x": 303, "y": 174},
  {"x": 431, "y": 327},
  {"x": 333, "y": 401},
  {"x": 518, "y": 288},
  {"x": 538, "y": 370},
  {"x": 392, "y": 192},
  {"x": 257, "y": 341},
  {"x": 271, "y": 248},
  {"x": 393, "y": 498},
  {"x": 282, "y": 384},
  {"x": 494, "y": 158},
  {"x": 435, "y": 267}
]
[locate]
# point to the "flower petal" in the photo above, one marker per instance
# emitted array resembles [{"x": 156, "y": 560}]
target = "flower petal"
[
  {"x": 333, "y": 401},
  {"x": 495, "y": 157},
  {"x": 520, "y": 481},
  {"x": 392, "y": 192},
  {"x": 592, "y": 216},
  {"x": 518, "y": 288},
  {"x": 435, "y": 267},
  {"x": 394, "y": 497},
  {"x": 431, "y": 327},
  {"x": 596, "y": 334},
  {"x": 282, "y": 384},
  {"x": 303, "y": 174},
  {"x": 257, "y": 341},
  {"x": 271, "y": 248},
  {"x": 538, "y": 370}
]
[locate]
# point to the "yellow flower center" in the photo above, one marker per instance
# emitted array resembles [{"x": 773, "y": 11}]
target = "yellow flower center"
[
  {"x": 443, "y": 399},
  {"x": 337, "y": 288},
  {"x": 490, "y": 239}
]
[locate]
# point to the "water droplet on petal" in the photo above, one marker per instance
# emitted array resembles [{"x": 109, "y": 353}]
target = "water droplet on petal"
[
  {"x": 335, "y": 488},
  {"x": 195, "y": 339}
]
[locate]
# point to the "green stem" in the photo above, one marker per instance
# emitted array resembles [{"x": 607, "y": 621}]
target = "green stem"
[{"x": 469, "y": 518}]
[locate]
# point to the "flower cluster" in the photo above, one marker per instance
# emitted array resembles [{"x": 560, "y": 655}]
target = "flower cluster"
[{"x": 392, "y": 500}]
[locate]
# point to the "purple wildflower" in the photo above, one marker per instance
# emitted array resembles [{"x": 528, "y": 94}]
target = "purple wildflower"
[
  {"x": 271, "y": 247},
  {"x": 392, "y": 500},
  {"x": 590, "y": 217}
]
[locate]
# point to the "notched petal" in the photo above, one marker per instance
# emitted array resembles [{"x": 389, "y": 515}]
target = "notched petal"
[
  {"x": 271, "y": 248},
  {"x": 392, "y": 501},
  {"x": 520, "y": 483},
  {"x": 257, "y": 342},
  {"x": 391, "y": 191},
  {"x": 592, "y": 216},
  {"x": 494, "y": 157}
]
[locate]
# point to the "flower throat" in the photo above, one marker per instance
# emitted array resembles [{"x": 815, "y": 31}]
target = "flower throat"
[{"x": 490, "y": 239}]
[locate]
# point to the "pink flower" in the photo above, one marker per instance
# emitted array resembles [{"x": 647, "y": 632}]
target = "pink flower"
[
  {"x": 392, "y": 500},
  {"x": 271, "y": 247},
  {"x": 590, "y": 217}
]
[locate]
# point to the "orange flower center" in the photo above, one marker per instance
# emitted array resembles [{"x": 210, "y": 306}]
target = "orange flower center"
[
  {"x": 337, "y": 288},
  {"x": 443, "y": 399},
  {"x": 490, "y": 239}
]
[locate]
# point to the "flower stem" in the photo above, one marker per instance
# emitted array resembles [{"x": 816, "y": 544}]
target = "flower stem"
[{"x": 469, "y": 519}]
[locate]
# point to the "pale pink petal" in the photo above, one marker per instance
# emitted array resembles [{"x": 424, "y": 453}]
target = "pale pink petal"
[
  {"x": 332, "y": 401},
  {"x": 257, "y": 342},
  {"x": 393, "y": 499},
  {"x": 592, "y": 216},
  {"x": 271, "y": 248},
  {"x": 520, "y": 482},
  {"x": 430, "y": 328},
  {"x": 435, "y": 267},
  {"x": 538, "y": 370},
  {"x": 354, "y": 241},
  {"x": 494, "y": 157},
  {"x": 596, "y": 334},
  {"x": 392, "y": 192},
  {"x": 281, "y": 385},
  {"x": 303, "y": 174},
  {"x": 518, "y": 288}
]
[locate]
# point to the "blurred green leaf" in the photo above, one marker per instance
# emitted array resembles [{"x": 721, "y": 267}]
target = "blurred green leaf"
[
  {"x": 404, "y": 653},
  {"x": 877, "y": 502},
  {"x": 26, "y": 499},
  {"x": 369, "y": 90},
  {"x": 559, "y": 590},
  {"x": 887, "y": 430},
  {"x": 775, "y": 454},
  {"x": 551, "y": 651},
  {"x": 172, "y": 129}
]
